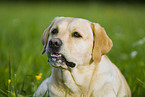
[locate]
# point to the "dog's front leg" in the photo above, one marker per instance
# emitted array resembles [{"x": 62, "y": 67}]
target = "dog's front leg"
[{"x": 42, "y": 89}]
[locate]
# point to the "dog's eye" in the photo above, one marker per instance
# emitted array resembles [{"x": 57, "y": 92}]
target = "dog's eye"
[
  {"x": 54, "y": 31},
  {"x": 76, "y": 34}
]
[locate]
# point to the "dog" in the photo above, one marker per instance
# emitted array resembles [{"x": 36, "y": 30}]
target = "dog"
[{"x": 76, "y": 50}]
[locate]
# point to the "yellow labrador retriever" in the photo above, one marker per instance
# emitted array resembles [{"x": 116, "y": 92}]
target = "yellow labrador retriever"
[{"x": 76, "y": 50}]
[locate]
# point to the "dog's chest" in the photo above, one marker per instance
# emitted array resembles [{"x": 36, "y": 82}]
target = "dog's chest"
[{"x": 70, "y": 83}]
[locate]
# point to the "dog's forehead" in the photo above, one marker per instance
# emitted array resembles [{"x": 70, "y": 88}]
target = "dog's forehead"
[
  {"x": 79, "y": 23},
  {"x": 74, "y": 21}
]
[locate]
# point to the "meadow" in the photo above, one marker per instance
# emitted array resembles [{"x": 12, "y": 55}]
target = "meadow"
[{"x": 23, "y": 68}]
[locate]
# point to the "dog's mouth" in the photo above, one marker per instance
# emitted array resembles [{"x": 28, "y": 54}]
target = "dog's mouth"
[{"x": 56, "y": 60}]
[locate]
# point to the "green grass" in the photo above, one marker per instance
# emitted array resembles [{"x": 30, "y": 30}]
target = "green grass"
[{"x": 21, "y": 27}]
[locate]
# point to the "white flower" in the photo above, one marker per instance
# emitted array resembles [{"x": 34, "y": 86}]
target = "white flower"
[
  {"x": 133, "y": 54},
  {"x": 140, "y": 42}
]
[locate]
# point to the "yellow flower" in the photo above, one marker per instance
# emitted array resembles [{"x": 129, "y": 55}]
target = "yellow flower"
[
  {"x": 38, "y": 76},
  {"x": 9, "y": 81}
]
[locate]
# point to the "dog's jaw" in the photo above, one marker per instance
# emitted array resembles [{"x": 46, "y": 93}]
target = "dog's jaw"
[{"x": 58, "y": 60}]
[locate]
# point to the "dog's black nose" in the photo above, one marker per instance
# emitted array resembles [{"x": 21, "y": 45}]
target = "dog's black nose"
[{"x": 55, "y": 44}]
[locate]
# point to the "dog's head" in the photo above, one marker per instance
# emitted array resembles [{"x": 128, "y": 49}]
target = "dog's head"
[{"x": 71, "y": 42}]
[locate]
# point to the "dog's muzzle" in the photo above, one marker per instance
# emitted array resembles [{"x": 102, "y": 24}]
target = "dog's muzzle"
[{"x": 55, "y": 58}]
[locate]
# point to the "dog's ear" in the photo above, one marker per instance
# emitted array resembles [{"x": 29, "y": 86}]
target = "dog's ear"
[
  {"x": 44, "y": 39},
  {"x": 102, "y": 43}
]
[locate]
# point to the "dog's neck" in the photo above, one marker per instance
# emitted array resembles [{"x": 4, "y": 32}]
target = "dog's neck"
[{"x": 70, "y": 79}]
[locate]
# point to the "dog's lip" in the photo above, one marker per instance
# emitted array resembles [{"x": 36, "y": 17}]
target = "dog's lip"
[
  {"x": 62, "y": 58},
  {"x": 55, "y": 55}
]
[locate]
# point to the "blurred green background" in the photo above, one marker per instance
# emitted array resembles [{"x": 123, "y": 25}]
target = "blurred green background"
[{"x": 21, "y": 27}]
